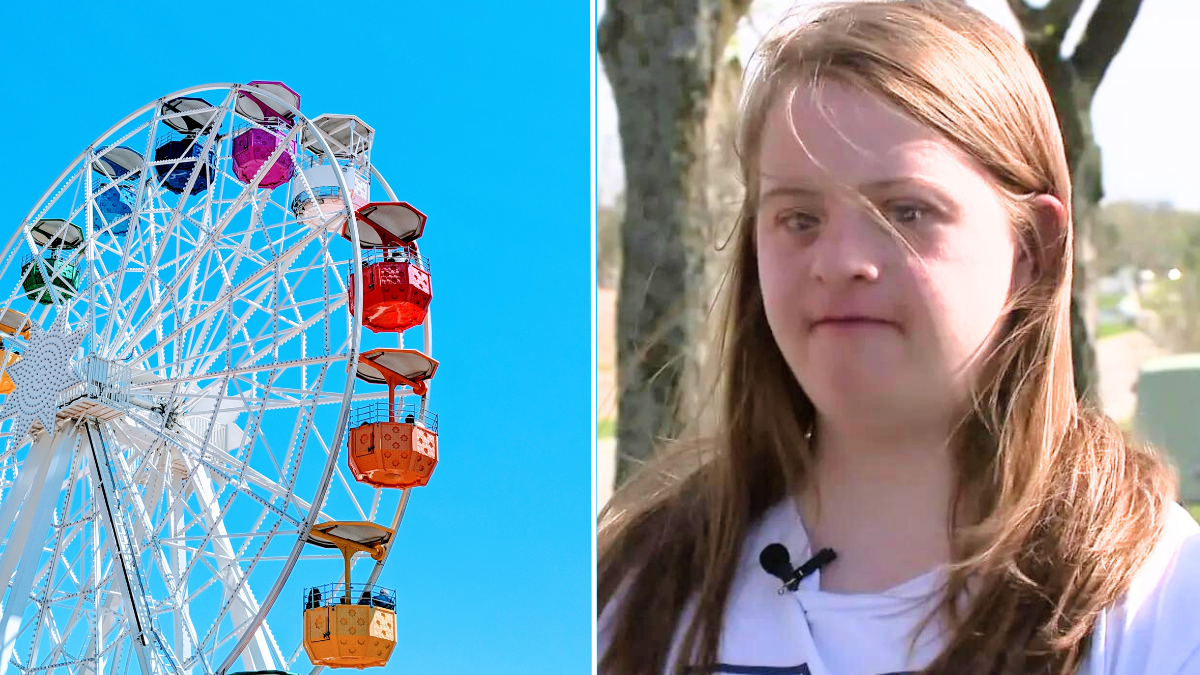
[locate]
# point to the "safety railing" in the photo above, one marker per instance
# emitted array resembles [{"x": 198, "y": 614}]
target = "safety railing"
[
  {"x": 376, "y": 412},
  {"x": 330, "y": 595}
]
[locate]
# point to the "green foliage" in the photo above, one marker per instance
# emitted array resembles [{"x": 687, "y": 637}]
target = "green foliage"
[
  {"x": 1110, "y": 329},
  {"x": 1155, "y": 237},
  {"x": 606, "y": 428},
  {"x": 1108, "y": 300},
  {"x": 1195, "y": 510},
  {"x": 1148, "y": 236}
]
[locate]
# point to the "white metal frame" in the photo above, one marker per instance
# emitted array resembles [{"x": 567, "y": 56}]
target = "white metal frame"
[{"x": 157, "y": 537}]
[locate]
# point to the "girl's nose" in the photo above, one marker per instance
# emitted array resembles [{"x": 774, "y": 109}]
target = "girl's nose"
[{"x": 849, "y": 247}]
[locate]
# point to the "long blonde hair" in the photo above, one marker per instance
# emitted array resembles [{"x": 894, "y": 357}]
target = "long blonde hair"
[{"x": 1061, "y": 508}]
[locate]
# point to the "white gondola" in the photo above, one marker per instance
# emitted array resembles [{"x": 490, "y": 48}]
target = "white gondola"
[{"x": 316, "y": 195}]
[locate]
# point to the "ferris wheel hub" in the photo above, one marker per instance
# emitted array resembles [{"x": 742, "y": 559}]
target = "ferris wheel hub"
[{"x": 103, "y": 393}]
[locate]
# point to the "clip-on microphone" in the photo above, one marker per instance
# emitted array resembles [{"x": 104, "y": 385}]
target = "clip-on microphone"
[{"x": 777, "y": 562}]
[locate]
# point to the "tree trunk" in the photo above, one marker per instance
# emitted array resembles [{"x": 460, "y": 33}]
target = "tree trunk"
[
  {"x": 661, "y": 57},
  {"x": 1072, "y": 82}
]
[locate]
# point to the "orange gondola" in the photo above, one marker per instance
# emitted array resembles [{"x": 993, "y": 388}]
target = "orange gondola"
[
  {"x": 390, "y": 447},
  {"x": 350, "y": 625}
]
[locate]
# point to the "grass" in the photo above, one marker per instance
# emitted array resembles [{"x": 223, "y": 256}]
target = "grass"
[
  {"x": 606, "y": 428},
  {"x": 1109, "y": 300},
  {"x": 1195, "y": 510},
  {"x": 1110, "y": 329}
]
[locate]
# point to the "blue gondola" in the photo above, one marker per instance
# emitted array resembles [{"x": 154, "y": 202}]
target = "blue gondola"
[
  {"x": 119, "y": 165},
  {"x": 179, "y": 157},
  {"x": 113, "y": 204}
]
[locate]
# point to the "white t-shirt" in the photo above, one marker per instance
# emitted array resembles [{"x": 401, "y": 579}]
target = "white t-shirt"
[{"x": 1153, "y": 630}]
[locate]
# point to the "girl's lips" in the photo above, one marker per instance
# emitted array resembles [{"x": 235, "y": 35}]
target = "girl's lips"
[{"x": 853, "y": 323}]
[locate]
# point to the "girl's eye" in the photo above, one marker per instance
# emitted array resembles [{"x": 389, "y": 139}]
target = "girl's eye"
[
  {"x": 797, "y": 220},
  {"x": 907, "y": 213}
]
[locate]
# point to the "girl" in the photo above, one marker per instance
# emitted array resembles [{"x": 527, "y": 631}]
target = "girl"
[{"x": 897, "y": 387}]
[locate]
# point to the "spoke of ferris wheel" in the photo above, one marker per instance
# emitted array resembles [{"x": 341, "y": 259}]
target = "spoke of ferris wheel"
[
  {"x": 207, "y": 499},
  {"x": 258, "y": 302},
  {"x": 374, "y": 506},
  {"x": 83, "y": 591},
  {"x": 240, "y": 602},
  {"x": 281, "y": 307},
  {"x": 397, "y": 519},
  {"x": 77, "y": 613},
  {"x": 31, "y": 524},
  {"x": 345, "y": 484},
  {"x": 249, "y": 282},
  {"x": 286, "y": 403},
  {"x": 256, "y": 478},
  {"x": 246, "y": 363},
  {"x": 52, "y": 562},
  {"x": 337, "y": 471},
  {"x": 112, "y": 476},
  {"x": 177, "y": 213},
  {"x": 227, "y": 216},
  {"x": 114, "y": 246},
  {"x": 177, "y": 541},
  {"x": 246, "y": 370},
  {"x": 209, "y": 556},
  {"x": 293, "y": 306},
  {"x": 236, "y": 632},
  {"x": 277, "y": 337},
  {"x": 251, "y": 477},
  {"x": 288, "y": 228},
  {"x": 54, "y": 593},
  {"x": 135, "y": 235},
  {"x": 240, "y": 599},
  {"x": 245, "y": 469},
  {"x": 137, "y": 514},
  {"x": 266, "y": 445},
  {"x": 290, "y": 498}
]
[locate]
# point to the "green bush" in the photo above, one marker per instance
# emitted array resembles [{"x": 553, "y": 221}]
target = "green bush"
[{"x": 606, "y": 428}]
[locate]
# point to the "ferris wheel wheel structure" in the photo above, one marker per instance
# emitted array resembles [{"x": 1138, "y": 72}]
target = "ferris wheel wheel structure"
[{"x": 180, "y": 342}]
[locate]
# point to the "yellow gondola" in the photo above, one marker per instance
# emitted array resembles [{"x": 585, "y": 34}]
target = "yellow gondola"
[{"x": 350, "y": 625}]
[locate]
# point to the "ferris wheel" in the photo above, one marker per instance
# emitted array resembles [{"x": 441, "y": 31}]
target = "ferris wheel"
[{"x": 190, "y": 418}]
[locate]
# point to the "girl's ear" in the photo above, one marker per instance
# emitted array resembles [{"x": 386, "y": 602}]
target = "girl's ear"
[{"x": 1050, "y": 221}]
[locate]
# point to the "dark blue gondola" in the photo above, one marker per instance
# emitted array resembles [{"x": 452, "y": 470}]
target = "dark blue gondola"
[
  {"x": 179, "y": 159},
  {"x": 194, "y": 118}
]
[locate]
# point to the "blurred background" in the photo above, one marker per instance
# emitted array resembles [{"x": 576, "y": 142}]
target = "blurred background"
[{"x": 668, "y": 81}]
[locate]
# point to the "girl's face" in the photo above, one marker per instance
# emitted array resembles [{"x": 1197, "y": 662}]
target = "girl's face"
[{"x": 866, "y": 327}]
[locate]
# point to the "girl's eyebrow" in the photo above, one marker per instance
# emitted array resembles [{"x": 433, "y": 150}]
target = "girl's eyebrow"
[{"x": 805, "y": 189}]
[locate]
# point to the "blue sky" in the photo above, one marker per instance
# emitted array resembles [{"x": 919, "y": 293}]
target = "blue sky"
[{"x": 481, "y": 112}]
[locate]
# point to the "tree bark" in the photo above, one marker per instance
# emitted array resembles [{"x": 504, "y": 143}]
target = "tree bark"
[
  {"x": 1072, "y": 82},
  {"x": 662, "y": 59}
]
